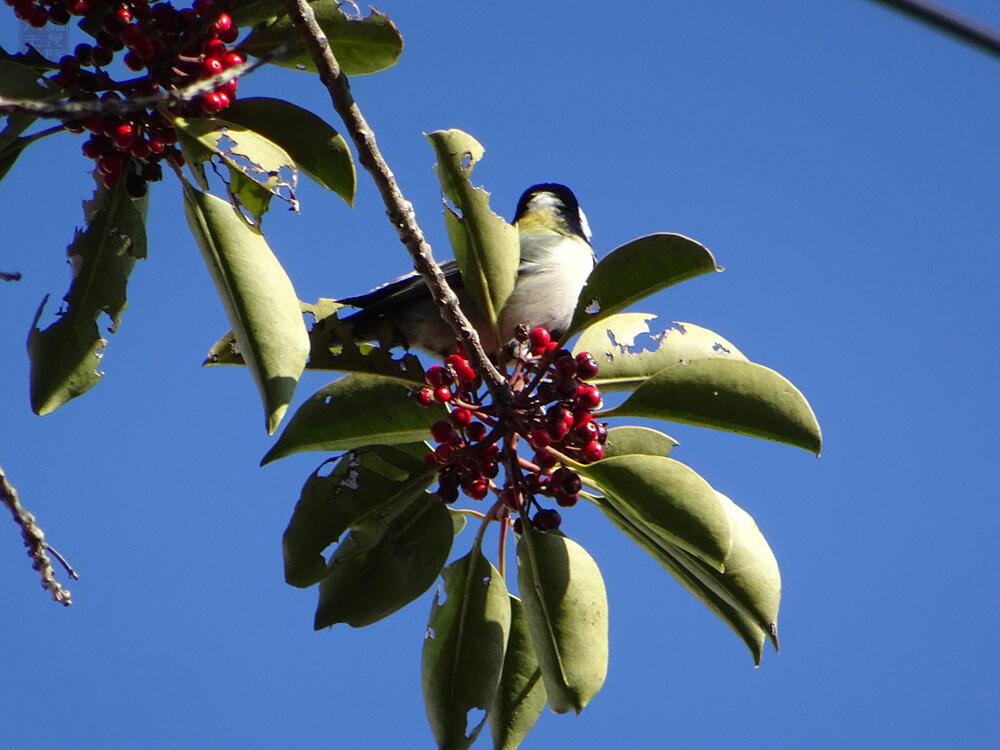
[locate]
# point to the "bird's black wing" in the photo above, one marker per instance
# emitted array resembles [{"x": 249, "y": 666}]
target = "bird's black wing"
[{"x": 401, "y": 292}]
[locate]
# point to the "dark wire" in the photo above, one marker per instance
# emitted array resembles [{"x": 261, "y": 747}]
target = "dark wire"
[{"x": 949, "y": 22}]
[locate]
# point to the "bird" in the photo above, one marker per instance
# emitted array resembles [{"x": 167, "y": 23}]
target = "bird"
[{"x": 556, "y": 259}]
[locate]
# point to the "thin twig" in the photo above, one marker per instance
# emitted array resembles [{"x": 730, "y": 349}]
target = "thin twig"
[
  {"x": 949, "y": 22},
  {"x": 34, "y": 540},
  {"x": 399, "y": 210},
  {"x": 8, "y": 276}
]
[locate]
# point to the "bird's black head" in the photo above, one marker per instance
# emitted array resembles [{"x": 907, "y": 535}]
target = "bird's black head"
[{"x": 550, "y": 203}]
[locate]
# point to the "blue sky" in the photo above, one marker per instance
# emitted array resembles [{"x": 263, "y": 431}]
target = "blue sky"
[{"x": 841, "y": 162}]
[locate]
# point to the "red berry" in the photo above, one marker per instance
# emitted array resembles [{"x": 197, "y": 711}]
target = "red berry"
[
  {"x": 424, "y": 396},
  {"x": 222, "y": 23},
  {"x": 211, "y": 66},
  {"x": 216, "y": 48},
  {"x": 211, "y": 103},
  {"x": 461, "y": 417},
  {"x": 592, "y": 451},
  {"x": 203, "y": 7},
  {"x": 436, "y": 376},
  {"x": 224, "y": 100},
  {"x": 477, "y": 489},
  {"x": 443, "y": 453},
  {"x": 545, "y": 460},
  {"x": 540, "y": 438},
  {"x": 567, "y": 481},
  {"x": 92, "y": 149},
  {"x": 156, "y": 146},
  {"x": 476, "y": 431},
  {"x": 565, "y": 364},
  {"x": 566, "y": 501},
  {"x": 139, "y": 149},
  {"x": 588, "y": 397},
  {"x": 443, "y": 432},
  {"x": 546, "y": 520},
  {"x": 539, "y": 338},
  {"x": 123, "y": 136},
  {"x": 229, "y": 35},
  {"x": 123, "y": 14},
  {"x": 586, "y": 366},
  {"x": 111, "y": 164},
  {"x": 443, "y": 394},
  {"x": 232, "y": 59}
]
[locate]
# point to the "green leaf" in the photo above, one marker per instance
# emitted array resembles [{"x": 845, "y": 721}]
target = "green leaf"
[
  {"x": 625, "y": 441},
  {"x": 387, "y": 561},
  {"x": 21, "y": 81},
  {"x": 65, "y": 357},
  {"x": 669, "y": 556},
  {"x": 9, "y": 153},
  {"x": 486, "y": 247},
  {"x": 259, "y": 167},
  {"x": 317, "y": 149},
  {"x": 623, "y": 365},
  {"x": 463, "y": 650},
  {"x": 331, "y": 347},
  {"x": 252, "y": 12},
  {"x": 353, "y": 411},
  {"x": 361, "y": 46},
  {"x": 567, "y": 611},
  {"x": 520, "y": 696},
  {"x": 727, "y": 395},
  {"x": 334, "y": 500},
  {"x": 638, "y": 269},
  {"x": 259, "y": 298},
  {"x": 667, "y": 497}
]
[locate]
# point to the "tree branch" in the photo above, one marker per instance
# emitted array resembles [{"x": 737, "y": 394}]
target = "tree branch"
[
  {"x": 949, "y": 22},
  {"x": 34, "y": 540},
  {"x": 399, "y": 210},
  {"x": 67, "y": 110}
]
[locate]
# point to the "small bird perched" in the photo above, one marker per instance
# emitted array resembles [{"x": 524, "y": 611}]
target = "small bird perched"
[{"x": 556, "y": 259}]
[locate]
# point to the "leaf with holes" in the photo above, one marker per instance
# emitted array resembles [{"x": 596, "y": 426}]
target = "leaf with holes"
[
  {"x": 259, "y": 168},
  {"x": 463, "y": 652},
  {"x": 353, "y": 411},
  {"x": 368, "y": 480},
  {"x": 361, "y": 46},
  {"x": 667, "y": 497},
  {"x": 388, "y": 560},
  {"x": 318, "y": 150},
  {"x": 65, "y": 357},
  {"x": 258, "y": 296},
  {"x": 567, "y": 611},
  {"x": 520, "y": 696},
  {"x": 331, "y": 347},
  {"x": 636, "y": 270},
  {"x": 486, "y": 246},
  {"x": 729, "y": 395},
  {"x": 623, "y": 364}
]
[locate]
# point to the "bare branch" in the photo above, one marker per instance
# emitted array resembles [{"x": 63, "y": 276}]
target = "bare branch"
[
  {"x": 399, "y": 210},
  {"x": 7, "y": 276},
  {"x": 949, "y": 22},
  {"x": 34, "y": 540}
]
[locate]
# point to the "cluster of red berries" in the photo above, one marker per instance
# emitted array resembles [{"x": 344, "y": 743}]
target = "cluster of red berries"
[
  {"x": 552, "y": 412},
  {"x": 174, "y": 47}
]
